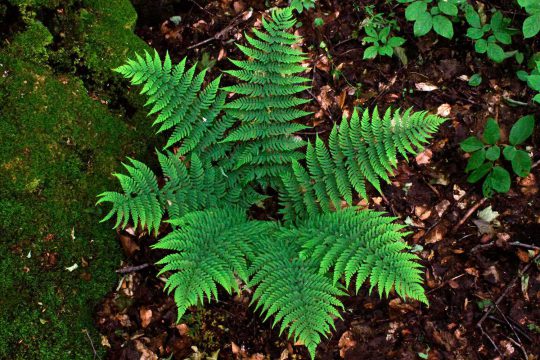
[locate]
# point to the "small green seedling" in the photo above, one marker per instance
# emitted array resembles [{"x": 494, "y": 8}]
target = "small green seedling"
[
  {"x": 382, "y": 42},
  {"x": 300, "y": 5},
  {"x": 437, "y": 17},
  {"x": 531, "y": 25},
  {"x": 532, "y": 79},
  {"x": 487, "y": 37},
  {"x": 485, "y": 157}
]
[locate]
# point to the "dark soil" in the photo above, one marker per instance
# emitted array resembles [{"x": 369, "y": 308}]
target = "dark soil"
[{"x": 465, "y": 271}]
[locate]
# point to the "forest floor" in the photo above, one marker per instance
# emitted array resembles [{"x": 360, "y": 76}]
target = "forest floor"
[{"x": 480, "y": 255}]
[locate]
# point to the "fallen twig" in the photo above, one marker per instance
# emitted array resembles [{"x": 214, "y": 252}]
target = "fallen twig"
[
  {"x": 220, "y": 34},
  {"x": 91, "y": 342},
  {"x": 495, "y": 305},
  {"x": 468, "y": 214},
  {"x": 129, "y": 269}
]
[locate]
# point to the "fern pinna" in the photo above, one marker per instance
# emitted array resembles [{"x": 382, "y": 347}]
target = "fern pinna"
[{"x": 300, "y": 267}]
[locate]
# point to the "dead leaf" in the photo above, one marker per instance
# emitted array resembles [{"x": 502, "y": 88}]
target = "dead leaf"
[
  {"x": 441, "y": 207},
  {"x": 345, "y": 343},
  {"x": 422, "y": 212},
  {"x": 444, "y": 110},
  {"x": 183, "y": 329},
  {"x": 523, "y": 255},
  {"x": 424, "y": 157},
  {"x": 128, "y": 244},
  {"x": 425, "y": 86},
  {"x": 436, "y": 234},
  {"x": 146, "y": 316}
]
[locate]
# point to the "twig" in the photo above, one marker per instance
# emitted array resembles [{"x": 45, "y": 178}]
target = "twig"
[
  {"x": 91, "y": 342},
  {"x": 535, "y": 164},
  {"x": 129, "y": 269},
  {"x": 519, "y": 343},
  {"x": 495, "y": 305},
  {"x": 468, "y": 214},
  {"x": 527, "y": 246},
  {"x": 446, "y": 283},
  {"x": 220, "y": 34}
]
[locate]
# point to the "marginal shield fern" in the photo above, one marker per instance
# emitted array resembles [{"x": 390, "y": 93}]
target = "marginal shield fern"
[{"x": 224, "y": 150}]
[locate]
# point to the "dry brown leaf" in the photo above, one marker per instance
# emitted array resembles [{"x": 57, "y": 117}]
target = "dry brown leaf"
[
  {"x": 128, "y": 244},
  {"x": 441, "y": 207},
  {"x": 422, "y": 212},
  {"x": 345, "y": 343},
  {"x": 436, "y": 234},
  {"x": 146, "y": 316},
  {"x": 425, "y": 86},
  {"x": 183, "y": 329},
  {"x": 424, "y": 157},
  {"x": 444, "y": 110}
]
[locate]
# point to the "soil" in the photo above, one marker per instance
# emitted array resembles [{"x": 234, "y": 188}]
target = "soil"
[{"x": 467, "y": 269}]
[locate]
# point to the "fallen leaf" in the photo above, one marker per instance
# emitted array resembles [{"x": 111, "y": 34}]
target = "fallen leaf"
[
  {"x": 345, "y": 343},
  {"x": 424, "y": 157},
  {"x": 444, "y": 110},
  {"x": 422, "y": 212},
  {"x": 146, "y": 316},
  {"x": 128, "y": 244},
  {"x": 424, "y": 86},
  {"x": 441, "y": 207}
]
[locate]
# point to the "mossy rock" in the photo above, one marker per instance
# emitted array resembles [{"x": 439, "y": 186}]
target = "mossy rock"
[{"x": 59, "y": 147}]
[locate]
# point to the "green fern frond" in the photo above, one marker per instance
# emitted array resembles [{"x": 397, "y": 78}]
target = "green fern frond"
[
  {"x": 210, "y": 249},
  {"x": 140, "y": 200},
  {"x": 177, "y": 95},
  {"x": 266, "y": 106},
  {"x": 362, "y": 244},
  {"x": 195, "y": 186},
  {"x": 361, "y": 150},
  {"x": 301, "y": 300}
]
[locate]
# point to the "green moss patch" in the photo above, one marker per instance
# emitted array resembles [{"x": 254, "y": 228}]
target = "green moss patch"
[{"x": 59, "y": 146}]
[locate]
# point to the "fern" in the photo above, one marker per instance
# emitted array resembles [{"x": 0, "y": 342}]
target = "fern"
[
  {"x": 177, "y": 95},
  {"x": 186, "y": 189},
  {"x": 265, "y": 108},
  {"x": 361, "y": 150},
  {"x": 224, "y": 151},
  {"x": 210, "y": 248}
]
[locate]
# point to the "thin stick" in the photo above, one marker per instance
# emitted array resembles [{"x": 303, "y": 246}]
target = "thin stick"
[
  {"x": 220, "y": 34},
  {"x": 468, "y": 214},
  {"x": 527, "y": 246},
  {"x": 91, "y": 342},
  {"x": 129, "y": 269}
]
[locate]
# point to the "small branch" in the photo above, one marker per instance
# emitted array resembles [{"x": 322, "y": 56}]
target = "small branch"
[
  {"x": 468, "y": 214},
  {"x": 526, "y": 246},
  {"x": 129, "y": 269},
  {"x": 220, "y": 34},
  {"x": 91, "y": 343}
]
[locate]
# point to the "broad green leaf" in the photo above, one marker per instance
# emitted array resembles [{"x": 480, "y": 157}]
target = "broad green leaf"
[
  {"x": 522, "y": 75},
  {"x": 480, "y": 172},
  {"x": 476, "y": 159},
  {"x": 472, "y": 17},
  {"x": 492, "y": 133},
  {"x": 531, "y": 26},
  {"x": 448, "y": 8},
  {"x": 521, "y": 164},
  {"x": 396, "y": 41},
  {"x": 480, "y": 46},
  {"x": 475, "y": 33},
  {"x": 470, "y": 144},
  {"x": 534, "y": 82},
  {"x": 370, "y": 52},
  {"x": 521, "y": 130},
  {"x": 487, "y": 187},
  {"x": 423, "y": 24},
  {"x": 443, "y": 26},
  {"x": 415, "y": 10},
  {"x": 500, "y": 179},
  {"x": 509, "y": 152},
  {"x": 503, "y": 37},
  {"x": 495, "y": 52},
  {"x": 475, "y": 80},
  {"x": 493, "y": 153},
  {"x": 537, "y": 98},
  {"x": 383, "y": 35}
]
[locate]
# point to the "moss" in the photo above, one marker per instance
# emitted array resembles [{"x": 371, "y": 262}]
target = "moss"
[
  {"x": 31, "y": 44},
  {"x": 58, "y": 150}
]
